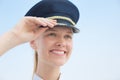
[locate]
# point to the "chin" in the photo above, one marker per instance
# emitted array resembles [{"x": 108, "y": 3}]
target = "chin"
[{"x": 59, "y": 63}]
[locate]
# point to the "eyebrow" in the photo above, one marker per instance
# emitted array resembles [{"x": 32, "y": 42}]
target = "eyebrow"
[{"x": 52, "y": 29}]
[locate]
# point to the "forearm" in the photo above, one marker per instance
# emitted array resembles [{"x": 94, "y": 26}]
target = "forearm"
[
  {"x": 8, "y": 41},
  {"x": 26, "y": 30}
]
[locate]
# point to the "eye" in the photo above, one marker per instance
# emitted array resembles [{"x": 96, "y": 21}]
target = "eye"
[
  {"x": 68, "y": 36},
  {"x": 52, "y": 34}
]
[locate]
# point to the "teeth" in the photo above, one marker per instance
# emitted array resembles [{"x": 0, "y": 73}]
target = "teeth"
[{"x": 58, "y": 52}]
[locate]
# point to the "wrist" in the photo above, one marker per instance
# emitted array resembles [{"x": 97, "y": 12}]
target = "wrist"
[{"x": 13, "y": 38}]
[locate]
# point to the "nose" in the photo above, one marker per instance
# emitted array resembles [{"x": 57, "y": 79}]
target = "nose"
[{"x": 60, "y": 42}]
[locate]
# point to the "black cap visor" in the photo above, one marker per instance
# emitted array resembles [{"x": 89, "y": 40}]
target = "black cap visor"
[{"x": 65, "y": 23}]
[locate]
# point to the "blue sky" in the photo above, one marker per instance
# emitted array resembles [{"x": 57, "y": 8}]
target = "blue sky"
[{"x": 96, "y": 53}]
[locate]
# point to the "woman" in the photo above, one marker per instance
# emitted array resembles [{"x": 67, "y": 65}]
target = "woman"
[{"x": 49, "y": 27}]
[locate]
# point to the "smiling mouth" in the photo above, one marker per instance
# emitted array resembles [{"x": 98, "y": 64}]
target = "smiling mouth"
[{"x": 58, "y": 52}]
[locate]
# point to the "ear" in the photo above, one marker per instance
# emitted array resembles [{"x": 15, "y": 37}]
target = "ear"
[{"x": 33, "y": 44}]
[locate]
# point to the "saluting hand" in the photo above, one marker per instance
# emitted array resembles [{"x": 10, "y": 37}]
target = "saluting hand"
[{"x": 29, "y": 28}]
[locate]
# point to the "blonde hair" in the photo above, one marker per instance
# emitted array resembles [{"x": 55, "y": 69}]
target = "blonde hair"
[{"x": 35, "y": 63}]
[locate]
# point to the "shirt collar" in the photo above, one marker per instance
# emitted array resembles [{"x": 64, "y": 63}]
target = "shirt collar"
[{"x": 36, "y": 77}]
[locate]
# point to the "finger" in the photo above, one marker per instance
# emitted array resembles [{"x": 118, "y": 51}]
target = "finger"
[
  {"x": 51, "y": 22},
  {"x": 40, "y": 22},
  {"x": 54, "y": 22},
  {"x": 45, "y": 22},
  {"x": 33, "y": 23},
  {"x": 48, "y": 22}
]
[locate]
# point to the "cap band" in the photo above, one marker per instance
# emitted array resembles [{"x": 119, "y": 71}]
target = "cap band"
[{"x": 62, "y": 17}]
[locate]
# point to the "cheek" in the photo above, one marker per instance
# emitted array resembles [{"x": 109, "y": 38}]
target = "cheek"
[
  {"x": 70, "y": 46},
  {"x": 47, "y": 43},
  {"x": 44, "y": 45}
]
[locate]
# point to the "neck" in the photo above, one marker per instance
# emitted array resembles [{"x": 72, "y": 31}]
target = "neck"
[{"x": 48, "y": 72}]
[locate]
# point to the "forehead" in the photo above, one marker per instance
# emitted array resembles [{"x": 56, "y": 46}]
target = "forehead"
[{"x": 60, "y": 29}]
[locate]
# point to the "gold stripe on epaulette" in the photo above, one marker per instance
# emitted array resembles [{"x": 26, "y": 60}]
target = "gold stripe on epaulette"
[{"x": 62, "y": 17}]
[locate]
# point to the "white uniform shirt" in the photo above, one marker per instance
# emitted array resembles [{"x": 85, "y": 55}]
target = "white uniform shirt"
[{"x": 36, "y": 77}]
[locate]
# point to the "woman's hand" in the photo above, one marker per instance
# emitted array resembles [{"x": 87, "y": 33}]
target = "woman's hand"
[{"x": 29, "y": 28}]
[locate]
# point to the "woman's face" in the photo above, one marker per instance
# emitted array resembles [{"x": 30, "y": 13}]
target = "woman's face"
[{"x": 54, "y": 46}]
